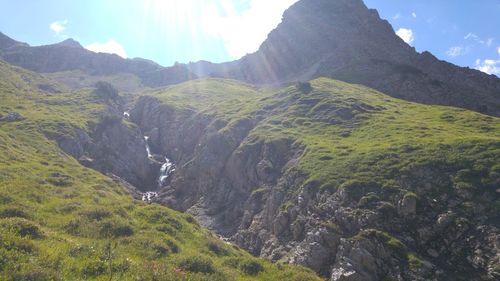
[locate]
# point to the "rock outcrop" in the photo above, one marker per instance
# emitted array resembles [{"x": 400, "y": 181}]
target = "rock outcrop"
[{"x": 112, "y": 147}]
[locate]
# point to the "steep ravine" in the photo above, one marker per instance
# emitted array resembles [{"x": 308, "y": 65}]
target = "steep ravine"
[{"x": 252, "y": 191}]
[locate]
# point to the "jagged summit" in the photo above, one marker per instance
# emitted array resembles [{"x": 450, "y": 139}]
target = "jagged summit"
[
  {"x": 70, "y": 43},
  {"x": 345, "y": 40}
]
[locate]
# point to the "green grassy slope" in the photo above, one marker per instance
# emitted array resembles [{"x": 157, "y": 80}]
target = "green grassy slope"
[
  {"x": 61, "y": 221},
  {"x": 354, "y": 136}
]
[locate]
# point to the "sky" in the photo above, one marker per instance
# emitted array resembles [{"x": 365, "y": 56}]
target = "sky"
[{"x": 464, "y": 32}]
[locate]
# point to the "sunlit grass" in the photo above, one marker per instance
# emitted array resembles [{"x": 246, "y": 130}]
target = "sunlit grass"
[{"x": 62, "y": 221}]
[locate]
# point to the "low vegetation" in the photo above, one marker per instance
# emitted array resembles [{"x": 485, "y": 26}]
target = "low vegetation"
[
  {"x": 62, "y": 221},
  {"x": 356, "y": 138}
]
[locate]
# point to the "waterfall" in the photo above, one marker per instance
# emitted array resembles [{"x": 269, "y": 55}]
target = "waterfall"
[
  {"x": 166, "y": 170},
  {"x": 146, "y": 138}
]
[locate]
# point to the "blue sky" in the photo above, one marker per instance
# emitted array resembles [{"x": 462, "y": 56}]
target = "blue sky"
[{"x": 463, "y": 32}]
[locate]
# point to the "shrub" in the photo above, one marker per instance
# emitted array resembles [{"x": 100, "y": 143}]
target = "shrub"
[
  {"x": 217, "y": 248},
  {"x": 12, "y": 212},
  {"x": 113, "y": 228},
  {"x": 251, "y": 267},
  {"x": 96, "y": 214},
  {"x": 106, "y": 91},
  {"x": 414, "y": 261},
  {"x": 58, "y": 179},
  {"x": 197, "y": 264},
  {"x": 173, "y": 246},
  {"x": 22, "y": 227}
]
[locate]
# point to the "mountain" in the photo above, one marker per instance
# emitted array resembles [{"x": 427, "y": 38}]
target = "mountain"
[
  {"x": 391, "y": 171},
  {"x": 62, "y": 221},
  {"x": 69, "y": 55},
  {"x": 343, "y": 39},
  {"x": 340, "y": 39},
  {"x": 337, "y": 177}
]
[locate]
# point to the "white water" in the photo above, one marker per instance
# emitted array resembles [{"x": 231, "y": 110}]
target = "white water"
[
  {"x": 146, "y": 138},
  {"x": 148, "y": 196},
  {"x": 165, "y": 171}
]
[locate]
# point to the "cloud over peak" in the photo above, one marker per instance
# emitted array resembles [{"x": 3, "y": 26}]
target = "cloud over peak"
[
  {"x": 59, "y": 26},
  {"x": 490, "y": 66},
  {"x": 240, "y": 31},
  {"x": 406, "y": 34},
  {"x": 109, "y": 47}
]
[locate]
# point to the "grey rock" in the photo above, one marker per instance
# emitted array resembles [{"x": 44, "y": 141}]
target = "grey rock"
[{"x": 11, "y": 117}]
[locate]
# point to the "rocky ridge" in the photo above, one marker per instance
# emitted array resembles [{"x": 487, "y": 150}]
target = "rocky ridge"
[{"x": 69, "y": 55}]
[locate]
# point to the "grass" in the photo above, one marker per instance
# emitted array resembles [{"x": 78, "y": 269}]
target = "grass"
[
  {"x": 62, "y": 221},
  {"x": 350, "y": 133}
]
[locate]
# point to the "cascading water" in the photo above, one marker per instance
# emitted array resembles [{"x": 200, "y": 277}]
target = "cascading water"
[
  {"x": 146, "y": 138},
  {"x": 165, "y": 171}
]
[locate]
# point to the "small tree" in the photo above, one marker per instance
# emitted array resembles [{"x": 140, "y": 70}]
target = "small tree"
[{"x": 106, "y": 91}]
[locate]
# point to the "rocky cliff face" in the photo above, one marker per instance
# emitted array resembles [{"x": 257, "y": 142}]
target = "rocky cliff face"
[
  {"x": 344, "y": 40},
  {"x": 252, "y": 191},
  {"x": 112, "y": 146}
]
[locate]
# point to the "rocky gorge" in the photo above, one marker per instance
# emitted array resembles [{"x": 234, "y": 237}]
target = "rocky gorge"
[{"x": 254, "y": 192}]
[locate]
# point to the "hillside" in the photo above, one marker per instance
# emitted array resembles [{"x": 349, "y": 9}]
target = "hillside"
[
  {"x": 62, "y": 221},
  {"x": 334, "y": 176},
  {"x": 334, "y": 152}
]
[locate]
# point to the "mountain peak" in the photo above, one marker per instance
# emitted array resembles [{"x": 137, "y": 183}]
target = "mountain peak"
[
  {"x": 345, "y": 40},
  {"x": 70, "y": 43}
]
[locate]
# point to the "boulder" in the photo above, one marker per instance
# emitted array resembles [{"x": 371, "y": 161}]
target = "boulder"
[{"x": 407, "y": 206}]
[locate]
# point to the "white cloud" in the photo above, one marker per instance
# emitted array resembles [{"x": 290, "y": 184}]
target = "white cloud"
[
  {"x": 243, "y": 32},
  {"x": 414, "y": 15},
  {"x": 457, "y": 51},
  {"x": 58, "y": 26},
  {"x": 397, "y": 16},
  {"x": 110, "y": 47},
  {"x": 406, "y": 34},
  {"x": 472, "y": 36},
  {"x": 490, "y": 66}
]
